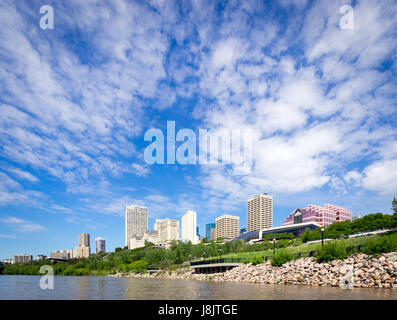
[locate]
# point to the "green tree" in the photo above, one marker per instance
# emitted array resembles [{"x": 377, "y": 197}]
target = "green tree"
[
  {"x": 178, "y": 259},
  {"x": 394, "y": 206},
  {"x": 139, "y": 266}
]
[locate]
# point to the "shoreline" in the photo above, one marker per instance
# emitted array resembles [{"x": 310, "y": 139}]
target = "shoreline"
[{"x": 358, "y": 271}]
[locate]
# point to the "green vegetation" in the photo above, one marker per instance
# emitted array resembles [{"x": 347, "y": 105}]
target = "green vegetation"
[
  {"x": 281, "y": 257},
  {"x": 258, "y": 260},
  {"x": 367, "y": 223},
  {"x": 139, "y": 266},
  {"x": 333, "y": 250},
  {"x": 382, "y": 245},
  {"x": 394, "y": 206}
]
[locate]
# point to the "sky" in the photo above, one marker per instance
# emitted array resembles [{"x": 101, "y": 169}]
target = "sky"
[{"x": 319, "y": 99}]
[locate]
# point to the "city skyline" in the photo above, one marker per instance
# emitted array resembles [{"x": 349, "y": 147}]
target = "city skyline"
[
  {"x": 84, "y": 238},
  {"x": 77, "y": 101}
]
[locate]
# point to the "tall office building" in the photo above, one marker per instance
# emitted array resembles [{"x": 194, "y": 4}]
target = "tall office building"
[
  {"x": 167, "y": 230},
  {"x": 208, "y": 228},
  {"x": 84, "y": 239},
  {"x": 136, "y": 222},
  {"x": 100, "y": 245},
  {"x": 227, "y": 227},
  {"x": 83, "y": 250},
  {"x": 189, "y": 224},
  {"x": 260, "y": 212}
]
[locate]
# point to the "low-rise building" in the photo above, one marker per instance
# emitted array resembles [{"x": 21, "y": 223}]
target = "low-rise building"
[
  {"x": 136, "y": 242},
  {"x": 60, "y": 254},
  {"x": 22, "y": 258},
  {"x": 40, "y": 257},
  {"x": 323, "y": 215}
]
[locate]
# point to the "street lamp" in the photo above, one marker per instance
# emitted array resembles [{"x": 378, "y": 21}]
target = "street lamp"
[
  {"x": 204, "y": 255},
  {"x": 322, "y": 236},
  {"x": 274, "y": 246},
  {"x": 220, "y": 252}
]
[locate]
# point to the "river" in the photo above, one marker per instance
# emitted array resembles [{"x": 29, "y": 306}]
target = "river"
[{"x": 85, "y": 287}]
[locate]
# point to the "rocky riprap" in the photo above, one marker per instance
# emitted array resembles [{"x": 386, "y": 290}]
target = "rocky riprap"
[{"x": 359, "y": 271}]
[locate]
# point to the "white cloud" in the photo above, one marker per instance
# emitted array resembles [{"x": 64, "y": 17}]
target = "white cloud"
[
  {"x": 22, "y": 225},
  {"x": 381, "y": 176},
  {"x": 23, "y": 174}
]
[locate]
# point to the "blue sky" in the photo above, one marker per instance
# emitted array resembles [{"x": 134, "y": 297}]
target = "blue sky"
[{"x": 77, "y": 100}]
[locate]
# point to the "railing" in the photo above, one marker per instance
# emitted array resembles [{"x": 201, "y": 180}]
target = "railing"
[{"x": 215, "y": 261}]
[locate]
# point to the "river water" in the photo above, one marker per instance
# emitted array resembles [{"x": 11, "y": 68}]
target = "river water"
[{"x": 28, "y": 287}]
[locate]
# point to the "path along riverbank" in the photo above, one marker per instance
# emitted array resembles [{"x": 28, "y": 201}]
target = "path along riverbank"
[{"x": 359, "y": 271}]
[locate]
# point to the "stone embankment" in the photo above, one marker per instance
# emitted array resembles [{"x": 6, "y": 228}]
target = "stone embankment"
[{"x": 359, "y": 271}]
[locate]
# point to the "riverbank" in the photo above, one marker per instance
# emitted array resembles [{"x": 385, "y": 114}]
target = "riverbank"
[{"x": 358, "y": 271}]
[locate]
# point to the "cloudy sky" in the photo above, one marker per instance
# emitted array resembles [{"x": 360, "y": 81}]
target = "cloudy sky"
[{"x": 76, "y": 101}]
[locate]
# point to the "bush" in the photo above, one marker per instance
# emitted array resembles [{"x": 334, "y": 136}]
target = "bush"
[
  {"x": 139, "y": 266},
  {"x": 381, "y": 246},
  {"x": 81, "y": 271},
  {"x": 331, "y": 251},
  {"x": 281, "y": 257},
  {"x": 246, "y": 261},
  {"x": 257, "y": 260}
]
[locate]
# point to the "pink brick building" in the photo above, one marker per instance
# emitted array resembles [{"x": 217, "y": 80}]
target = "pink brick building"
[{"x": 323, "y": 215}]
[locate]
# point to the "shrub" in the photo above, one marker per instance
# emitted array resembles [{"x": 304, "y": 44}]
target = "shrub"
[
  {"x": 246, "y": 261},
  {"x": 257, "y": 260},
  {"x": 331, "y": 251},
  {"x": 380, "y": 246},
  {"x": 281, "y": 257},
  {"x": 173, "y": 267},
  {"x": 81, "y": 271},
  {"x": 139, "y": 266}
]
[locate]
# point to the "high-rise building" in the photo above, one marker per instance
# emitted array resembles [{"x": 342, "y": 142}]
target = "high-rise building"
[
  {"x": 100, "y": 245},
  {"x": 227, "y": 227},
  {"x": 136, "y": 222},
  {"x": 322, "y": 215},
  {"x": 189, "y": 224},
  {"x": 213, "y": 234},
  {"x": 167, "y": 230},
  {"x": 83, "y": 249},
  {"x": 22, "y": 258},
  {"x": 260, "y": 212},
  {"x": 208, "y": 228},
  {"x": 84, "y": 239}
]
